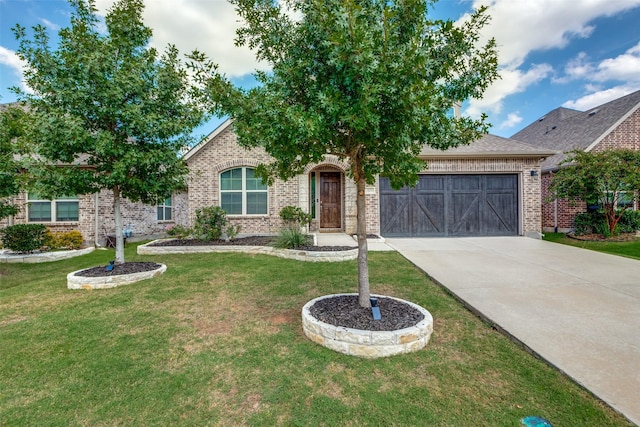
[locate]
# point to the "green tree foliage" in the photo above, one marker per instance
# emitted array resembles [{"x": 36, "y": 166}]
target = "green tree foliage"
[
  {"x": 369, "y": 81},
  {"x": 12, "y": 122},
  {"x": 600, "y": 178},
  {"x": 110, "y": 109}
]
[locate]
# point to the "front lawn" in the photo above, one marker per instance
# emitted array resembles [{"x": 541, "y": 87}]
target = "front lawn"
[
  {"x": 630, "y": 249},
  {"x": 217, "y": 340}
]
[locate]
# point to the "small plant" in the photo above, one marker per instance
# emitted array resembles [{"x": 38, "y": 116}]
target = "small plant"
[
  {"x": 291, "y": 238},
  {"x": 232, "y": 231},
  {"x": 63, "y": 240},
  {"x": 293, "y": 215},
  {"x": 180, "y": 231},
  {"x": 210, "y": 222},
  {"x": 23, "y": 237}
]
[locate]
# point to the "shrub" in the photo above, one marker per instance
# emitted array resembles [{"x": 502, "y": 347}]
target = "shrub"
[
  {"x": 293, "y": 215},
  {"x": 630, "y": 222},
  {"x": 63, "y": 240},
  {"x": 291, "y": 238},
  {"x": 180, "y": 232},
  {"x": 23, "y": 237},
  {"x": 595, "y": 222},
  {"x": 210, "y": 222},
  {"x": 232, "y": 231}
]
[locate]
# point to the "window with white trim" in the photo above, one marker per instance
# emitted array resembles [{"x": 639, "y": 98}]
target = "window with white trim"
[
  {"x": 242, "y": 192},
  {"x": 62, "y": 209},
  {"x": 165, "y": 210}
]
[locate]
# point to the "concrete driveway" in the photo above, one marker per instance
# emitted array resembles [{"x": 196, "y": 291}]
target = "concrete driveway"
[{"x": 578, "y": 309}]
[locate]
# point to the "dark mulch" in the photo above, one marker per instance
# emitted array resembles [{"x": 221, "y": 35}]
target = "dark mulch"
[
  {"x": 246, "y": 241},
  {"x": 344, "y": 310},
  {"x": 624, "y": 237},
  {"x": 119, "y": 269}
]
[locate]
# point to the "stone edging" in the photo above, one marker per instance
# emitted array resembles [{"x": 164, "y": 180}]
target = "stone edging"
[
  {"x": 44, "y": 256},
  {"x": 300, "y": 255},
  {"x": 105, "y": 282},
  {"x": 363, "y": 343}
]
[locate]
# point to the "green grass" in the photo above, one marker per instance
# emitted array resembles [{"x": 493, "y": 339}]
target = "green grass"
[
  {"x": 629, "y": 249},
  {"x": 217, "y": 340}
]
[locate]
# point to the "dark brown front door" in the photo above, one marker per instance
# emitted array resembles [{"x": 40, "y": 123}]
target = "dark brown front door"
[{"x": 330, "y": 200}]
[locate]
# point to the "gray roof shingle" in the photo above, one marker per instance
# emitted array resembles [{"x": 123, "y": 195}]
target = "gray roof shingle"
[
  {"x": 489, "y": 146},
  {"x": 564, "y": 129}
]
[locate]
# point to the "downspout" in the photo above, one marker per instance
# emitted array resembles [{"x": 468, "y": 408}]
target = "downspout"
[
  {"x": 95, "y": 220},
  {"x": 555, "y": 215}
]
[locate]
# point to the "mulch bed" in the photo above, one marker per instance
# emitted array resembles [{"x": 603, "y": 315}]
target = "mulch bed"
[
  {"x": 624, "y": 237},
  {"x": 246, "y": 241},
  {"x": 344, "y": 310},
  {"x": 119, "y": 269}
]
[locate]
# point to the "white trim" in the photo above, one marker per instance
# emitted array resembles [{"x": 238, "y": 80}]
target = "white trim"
[
  {"x": 243, "y": 193},
  {"x": 612, "y": 128},
  {"x": 53, "y": 203}
]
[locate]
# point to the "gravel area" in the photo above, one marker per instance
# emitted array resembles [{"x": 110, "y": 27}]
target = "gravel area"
[
  {"x": 344, "y": 310},
  {"x": 119, "y": 269},
  {"x": 246, "y": 241}
]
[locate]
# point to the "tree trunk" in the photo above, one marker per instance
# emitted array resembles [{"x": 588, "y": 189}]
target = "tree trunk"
[
  {"x": 363, "y": 264},
  {"x": 118, "y": 218}
]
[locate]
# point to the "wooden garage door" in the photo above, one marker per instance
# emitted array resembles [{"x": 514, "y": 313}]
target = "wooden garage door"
[{"x": 451, "y": 205}]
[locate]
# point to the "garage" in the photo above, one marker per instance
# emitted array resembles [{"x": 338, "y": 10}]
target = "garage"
[{"x": 451, "y": 205}]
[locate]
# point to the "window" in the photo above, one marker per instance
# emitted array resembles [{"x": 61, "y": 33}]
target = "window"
[
  {"x": 165, "y": 210},
  {"x": 62, "y": 209},
  {"x": 242, "y": 193}
]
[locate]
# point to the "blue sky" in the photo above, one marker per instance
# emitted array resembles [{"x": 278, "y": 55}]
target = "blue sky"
[{"x": 571, "y": 53}]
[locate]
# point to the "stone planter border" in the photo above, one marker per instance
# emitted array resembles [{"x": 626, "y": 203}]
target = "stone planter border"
[
  {"x": 300, "y": 255},
  {"x": 81, "y": 282},
  {"x": 43, "y": 256},
  {"x": 363, "y": 343}
]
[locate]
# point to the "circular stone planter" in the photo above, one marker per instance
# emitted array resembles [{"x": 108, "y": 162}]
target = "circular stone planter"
[
  {"x": 81, "y": 282},
  {"x": 363, "y": 343}
]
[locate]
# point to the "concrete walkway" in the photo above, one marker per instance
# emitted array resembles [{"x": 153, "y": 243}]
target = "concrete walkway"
[{"x": 578, "y": 309}]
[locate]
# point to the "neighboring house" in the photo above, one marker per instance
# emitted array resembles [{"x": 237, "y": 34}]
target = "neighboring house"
[
  {"x": 92, "y": 215},
  {"x": 615, "y": 124},
  {"x": 490, "y": 187}
]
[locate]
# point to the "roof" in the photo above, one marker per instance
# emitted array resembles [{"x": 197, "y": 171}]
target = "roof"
[
  {"x": 221, "y": 128},
  {"x": 564, "y": 129},
  {"x": 488, "y": 146}
]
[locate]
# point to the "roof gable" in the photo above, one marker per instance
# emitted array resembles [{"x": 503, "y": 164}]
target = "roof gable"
[{"x": 564, "y": 129}]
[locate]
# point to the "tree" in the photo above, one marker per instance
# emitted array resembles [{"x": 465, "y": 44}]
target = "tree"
[
  {"x": 600, "y": 177},
  {"x": 111, "y": 111},
  {"x": 369, "y": 81},
  {"x": 12, "y": 178}
]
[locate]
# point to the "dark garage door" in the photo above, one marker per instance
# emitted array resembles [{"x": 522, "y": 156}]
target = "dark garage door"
[{"x": 451, "y": 205}]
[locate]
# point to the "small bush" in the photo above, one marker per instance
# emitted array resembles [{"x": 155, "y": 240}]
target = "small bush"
[
  {"x": 63, "y": 240},
  {"x": 630, "y": 222},
  {"x": 293, "y": 215},
  {"x": 210, "y": 222},
  {"x": 180, "y": 232},
  {"x": 23, "y": 237},
  {"x": 232, "y": 231},
  {"x": 291, "y": 238},
  {"x": 590, "y": 223}
]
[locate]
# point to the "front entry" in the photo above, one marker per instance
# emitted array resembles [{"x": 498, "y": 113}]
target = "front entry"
[{"x": 330, "y": 200}]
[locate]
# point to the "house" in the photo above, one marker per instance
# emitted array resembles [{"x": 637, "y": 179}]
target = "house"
[
  {"x": 93, "y": 216},
  {"x": 615, "y": 124},
  {"x": 490, "y": 187}
]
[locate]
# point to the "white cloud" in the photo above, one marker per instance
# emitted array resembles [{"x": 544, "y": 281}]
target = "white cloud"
[
  {"x": 209, "y": 26},
  {"x": 523, "y": 27},
  {"x": 513, "y": 119},
  {"x": 9, "y": 59},
  {"x": 625, "y": 67},
  {"x": 601, "y": 97},
  {"x": 50, "y": 25},
  {"x": 512, "y": 81},
  {"x": 577, "y": 68}
]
